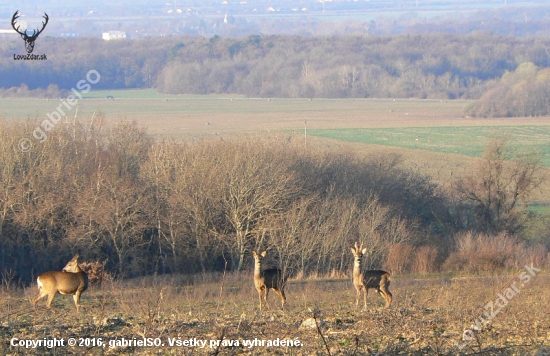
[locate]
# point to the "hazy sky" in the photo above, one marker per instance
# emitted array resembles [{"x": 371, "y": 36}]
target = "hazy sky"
[{"x": 186, "y": 17}]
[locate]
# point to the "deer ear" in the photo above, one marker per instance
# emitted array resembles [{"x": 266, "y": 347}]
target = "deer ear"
[
  {"x": 364, "y": 251},
  {"x": 254, "y": 253},
  {"x": 264, "y": 253},
  {"x": 352, "y": 250}
]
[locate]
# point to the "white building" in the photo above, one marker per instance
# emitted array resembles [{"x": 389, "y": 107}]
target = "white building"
[
  {"x": 7, "y": 32},
  {"x": 113, "y": 35}
]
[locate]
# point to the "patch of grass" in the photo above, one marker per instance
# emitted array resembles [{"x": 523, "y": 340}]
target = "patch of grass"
[
  {"x": 541, "y": 208},
  {"x": 464, "y": 140}
]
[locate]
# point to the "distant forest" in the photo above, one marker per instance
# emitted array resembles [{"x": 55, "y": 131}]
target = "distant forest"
[{"x": 406, "y": 66}]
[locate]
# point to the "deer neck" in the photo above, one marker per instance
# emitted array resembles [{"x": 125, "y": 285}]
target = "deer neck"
[
  {"x": 257, "y": 269},
  {"x": 357, "y": 267}
]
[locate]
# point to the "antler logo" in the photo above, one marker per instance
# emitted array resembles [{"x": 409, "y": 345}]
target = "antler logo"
[{"x": 29, "y": 40}]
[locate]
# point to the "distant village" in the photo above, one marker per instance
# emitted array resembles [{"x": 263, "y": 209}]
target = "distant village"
[{"x": 238, "y": 18}]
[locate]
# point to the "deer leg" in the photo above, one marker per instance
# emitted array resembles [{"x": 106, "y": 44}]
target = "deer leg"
[
  {"x": 76, "y": 298},
  {"x": 388, "y": 297},
  {"x": 357, "y": 296},
  {"x": 381, "y": 293},
  {"x": 40, "y": 295},
  {"x": 281, "y": 294},
  {"x": 50, "y": 299},
  {"x": 260, "y": 297},
  {"x": 385, "y": 293},
  {"x": 365, "y": 298},
  {"x": 266, "y": 302}
]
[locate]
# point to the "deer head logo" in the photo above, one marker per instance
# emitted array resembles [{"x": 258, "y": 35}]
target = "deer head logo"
[{"x": 29, "y": 40}]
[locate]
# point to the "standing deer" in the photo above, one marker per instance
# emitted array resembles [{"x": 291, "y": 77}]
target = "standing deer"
[
  {"x": 362, "y": 281},
  {"x": 71, "y": 280},
  {"x": 29, "y": 40},
  {"x": 268, "y": 278}
]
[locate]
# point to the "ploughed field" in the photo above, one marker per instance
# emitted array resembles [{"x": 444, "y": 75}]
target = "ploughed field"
[
  {"x": 442, "y": 314},
  {"x": 188, "y": 116}
]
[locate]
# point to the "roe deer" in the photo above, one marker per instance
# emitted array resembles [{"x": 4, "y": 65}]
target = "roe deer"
[
  {"x": 269, "y": 278},
  {"x": 71, "y": 280},
  {"x": 362, "y": 281}
]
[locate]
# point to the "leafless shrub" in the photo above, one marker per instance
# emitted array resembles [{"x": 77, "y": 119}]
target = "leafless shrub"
[
  {"x": 478, "y": 252},
  {"x": 96, "y": 272},
  {"x": 425, "y": 259},
  {"x": 399, "y": 258},
  {"x": 7, "y": 275},
  {"x": 537, "y": 255},
  {"x": 482, "y": 252}
]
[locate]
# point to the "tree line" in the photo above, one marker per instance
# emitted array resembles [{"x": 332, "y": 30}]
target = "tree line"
[
  {"x": 409, "y": 66},
  {"x": 145, "y": 205},
  {"x": 522, "y": 92}
]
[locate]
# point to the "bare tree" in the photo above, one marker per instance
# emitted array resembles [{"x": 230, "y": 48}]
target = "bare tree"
[
  {"x": 255, "y": 182},
  {"x": 163, "y": 173},
  {"x": 502, "y": 180},
  {"x": 290, "y": 234}
]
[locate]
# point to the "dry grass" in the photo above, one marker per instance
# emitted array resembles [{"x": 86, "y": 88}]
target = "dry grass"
[{"x": 428, "y": 316}]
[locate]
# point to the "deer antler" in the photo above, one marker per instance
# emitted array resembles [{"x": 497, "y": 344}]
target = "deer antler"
[
  {"x": 35, "y": 32},
  {"x": 15, "y": 17},
  {"x": 43, "y": 25}
]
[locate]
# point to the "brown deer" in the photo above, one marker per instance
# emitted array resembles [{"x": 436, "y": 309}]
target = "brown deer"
[
  {"x": 363, "y": 281},
  {"x": 71, "y": 280},
  {"x": 268, "y": 278}
]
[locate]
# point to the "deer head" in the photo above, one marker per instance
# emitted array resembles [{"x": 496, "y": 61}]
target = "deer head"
[{"x": 29, "y": 40}]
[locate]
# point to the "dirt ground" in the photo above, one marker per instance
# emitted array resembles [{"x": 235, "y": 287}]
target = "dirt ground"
[{"x": 504, "y": 314}]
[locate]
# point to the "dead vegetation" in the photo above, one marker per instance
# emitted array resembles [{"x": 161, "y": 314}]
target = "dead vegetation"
[{"x": 428, "y": 316}]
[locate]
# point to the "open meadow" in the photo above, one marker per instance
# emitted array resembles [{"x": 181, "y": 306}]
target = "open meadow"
[{"x": 501, "y": 313}]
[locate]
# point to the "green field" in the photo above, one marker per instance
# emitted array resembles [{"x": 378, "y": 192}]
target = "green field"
[{"x": 464, "y": 140}]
